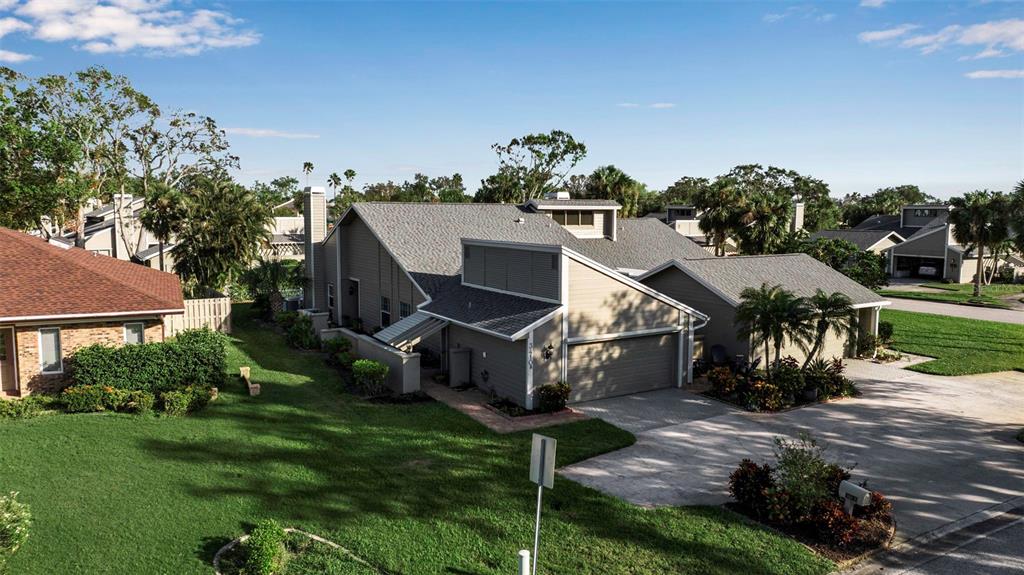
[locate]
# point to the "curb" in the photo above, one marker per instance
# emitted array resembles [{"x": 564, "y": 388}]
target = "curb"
[{"x": 899, "y": 555}]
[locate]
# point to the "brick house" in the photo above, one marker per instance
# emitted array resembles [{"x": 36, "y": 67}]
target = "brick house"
[{"x": 56, "y": 299}]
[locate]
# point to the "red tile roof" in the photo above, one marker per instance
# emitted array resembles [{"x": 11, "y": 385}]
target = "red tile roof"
[{"x": 38, "y": 279}]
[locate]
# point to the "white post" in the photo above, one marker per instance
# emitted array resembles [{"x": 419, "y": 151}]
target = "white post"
[
  {"x": 524, "y": 562},
  {"x": 536, "y": 529}
]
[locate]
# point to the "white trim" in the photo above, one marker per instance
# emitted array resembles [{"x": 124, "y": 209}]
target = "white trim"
[
  {"x": 60, "y": 350},
  {"x": 551, "y": 248},
  {"x": 632, "y": 283},
  {"x": 563, "y": 278},
  {"x": 887, "y": 236},
  {"x": 878, "y": 304},
  {"x": 92, "y": 315},
  {"x": 529, "y": 370},
  {"x": 513, "y": 293},
  {"x": 624, "y": 334},
  {"x": 690, "y": 333},
  {"x": 352, "y": 208},
  {"x": 580, "y": 207},
  {"x": 125, "y": 330},
  {"x": 679, "y": 358},
  {"x": 547, "y": 317}
]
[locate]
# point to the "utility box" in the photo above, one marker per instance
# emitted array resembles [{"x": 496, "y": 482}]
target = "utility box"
[{"x": 460, "y": 366}]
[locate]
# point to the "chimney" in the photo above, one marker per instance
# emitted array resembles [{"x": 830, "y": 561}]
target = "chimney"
[
  {"x": 314, "y": 214},
  {"x": 797, "y": 222}
]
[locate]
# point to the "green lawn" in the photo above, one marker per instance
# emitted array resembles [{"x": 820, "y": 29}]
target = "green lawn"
[
  {"x": 412, "y": 489},
  {"x": 991, "y": 295},
  {"x": 961, "y": 346}
]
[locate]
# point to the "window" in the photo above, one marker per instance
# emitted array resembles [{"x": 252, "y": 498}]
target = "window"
[
  {"x": 50, "y": 360},
  {"x": 134, "y": 332},
  {"x": 559, "y": 217},
  {"x": 404, "y": 310},
  {"x": 586, "y": 218},
  {"x": 385, "y": 311},
  {"x": 921, "y": 213},
  {"x": 330, "y": 296}
]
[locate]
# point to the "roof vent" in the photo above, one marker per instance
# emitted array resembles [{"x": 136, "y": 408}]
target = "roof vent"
[
  {"x": 559, "y": 195},
  {"x": 520, "y": 220}
]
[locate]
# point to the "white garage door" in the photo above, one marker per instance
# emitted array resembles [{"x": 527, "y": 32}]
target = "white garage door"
[{"x": 620, "y": 367}]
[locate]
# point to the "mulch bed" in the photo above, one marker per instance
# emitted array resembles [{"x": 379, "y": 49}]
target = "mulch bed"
[
  {"x": 799, "y": 403},
  {"x": 510, "y": 409}
]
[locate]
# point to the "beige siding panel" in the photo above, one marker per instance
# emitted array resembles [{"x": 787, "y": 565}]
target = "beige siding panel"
[
  {"x": 931, "y": 245},
  {"x": 502, "y": 362},
  {"x": 599, "y": 304},
  {"x": 883, "y": 245},
  {"x": 620, "y": 367},
  {"x": 547, "y": 370},
  {"x": 720, "y": 330}
]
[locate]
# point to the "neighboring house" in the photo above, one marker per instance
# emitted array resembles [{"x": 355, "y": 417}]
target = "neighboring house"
[
  {"x": 685, "y": 219},
  {"x": 288, "y": 235},
  {"x": 714, "y": 285},
  {"x": 929, "y": 250},
  {"x": 58, "y": 298},
  {"x": 510, "y": 297},
  {"x": 122, "y": 236},
  {"x": 875, "y": 241}
]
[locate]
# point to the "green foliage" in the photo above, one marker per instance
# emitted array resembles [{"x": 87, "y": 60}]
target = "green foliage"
[
  {"x": 553, "y": 397},
  {"x": 27, "y": 407},
  {"x": 531, "y": 166},
  {"x": 832, "y": 525},
  {"x": 370, "y": 376},
  {"x": 339, "y": 352},
  {"x": 194, "y": 357},
  {"x": 787, "y": 376},
  {"x": 337, "y": 345},
  {"x": 866, "y": 345},
  {"x": 301, "y": 335},
  {"x": 268, "y": 281},
  {"x": 286, "y": 319},
  {"x": 85, "y": 398},
  {"x": 885, "y": 201},
  {"x": 446, "y": 189},
  {"x": 762, "y": 395},
  {"x": 138, "y": 401},
  {"x": 265, "y": 548},
  {"x": 770, "y": 315},
  {"x": 981, "y": 220},
  {"x": 184, "y": 401},
  {"x": 885, "y": 330},
  {"x": 723, "y": 381},
  {"x": 15, "y": 522},
  {"x": 864, "y": 267},
  {"x": 802, "y": 472},
  {"x": 611, "y": 183},
  {"x": 828, "y": 313}
]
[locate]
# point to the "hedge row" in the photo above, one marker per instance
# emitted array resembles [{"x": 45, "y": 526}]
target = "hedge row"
[{"x": 193, "y": 358}]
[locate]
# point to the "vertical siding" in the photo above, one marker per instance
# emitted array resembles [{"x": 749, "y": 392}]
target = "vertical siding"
[
  {"x": 519, "y": 270},
  {"x": 505, "y": 362},
  {"x": 496, "y": 268},
  {"x": 545, "y": 277},
  {"x": 720, "y": 330},
  {"x": 932, "y": 245},
  {"x": 474, "y": 266},
  {"x": 599, "y": 304},
  {"x": 523, "y": 271}
]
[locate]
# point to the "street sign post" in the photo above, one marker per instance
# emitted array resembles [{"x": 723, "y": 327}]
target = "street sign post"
[{"x": 542, "y": 472}]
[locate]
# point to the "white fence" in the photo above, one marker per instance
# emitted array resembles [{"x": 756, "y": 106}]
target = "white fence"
[{"x": 212, "y": 312}]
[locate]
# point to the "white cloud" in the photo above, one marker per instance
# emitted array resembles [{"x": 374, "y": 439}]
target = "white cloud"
[
  {"x": 628, "y": 105},
  {"x": 930, "y": 43},
  {"x": 269, "y": 133},
  {"x": 662, "y": 105},
  {"x": 119, "y": 26},
  {"x": 14, "y": 57},
  {"x": 887, "y": 34},
  {"x": 803, "y": 11},
  {"x": 7, "y": 4},
  {"x": 10, "y": 25},
  {"x": 986, "y": 53},
  {"x": 872, "y": 3},
  {"x": 771, "y": 18},
  {"x": 996, "y": 37},
  {"x": 995, "y": 74}
]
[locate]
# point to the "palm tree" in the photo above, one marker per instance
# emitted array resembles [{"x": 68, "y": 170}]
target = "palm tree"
[
  {"x": 267, "y": 279},
  {"x": 307, "y": 168},
  {"x": 1017, "y": 216},
  {"x": 162, "y": 215},
  {"x": 224, "y": 228},
  {"x": 334, "y": 181},
  {"x": 769, "y": 315},
  {"x": 611, "y": 183},
  {"x": 721, "y": 204},
  {"x": 765, "y": 223},
  {"x": 829, "y": 312},
  {"x": 980, "y": 219}
]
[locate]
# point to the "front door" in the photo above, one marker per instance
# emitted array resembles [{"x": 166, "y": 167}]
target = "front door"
[{"x": 8, "y": 375}]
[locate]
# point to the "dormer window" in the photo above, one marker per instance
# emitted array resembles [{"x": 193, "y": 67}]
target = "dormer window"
[{"x": 573, "y": 217}]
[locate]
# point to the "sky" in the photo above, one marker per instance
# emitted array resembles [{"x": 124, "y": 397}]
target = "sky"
[{"x": 860, "y": 94}]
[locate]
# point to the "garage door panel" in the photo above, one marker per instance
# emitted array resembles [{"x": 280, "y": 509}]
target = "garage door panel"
[{"x": 619, "y": 367}]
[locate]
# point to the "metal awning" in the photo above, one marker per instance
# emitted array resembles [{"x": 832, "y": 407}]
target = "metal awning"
[{"x": 409, "y": 331}]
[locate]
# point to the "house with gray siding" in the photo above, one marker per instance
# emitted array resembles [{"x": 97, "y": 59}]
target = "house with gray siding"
[{"x": 508, "y": 297}]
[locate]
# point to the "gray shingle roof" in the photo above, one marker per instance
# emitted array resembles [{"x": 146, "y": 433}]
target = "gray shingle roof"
[
  {"x": 483, "y": 309},
  {"x": 798, "y": 273},
  {"x": 863, "y": 239},
  {"x": 641, "y": 244},
  {"x": 892, "y": 224}
]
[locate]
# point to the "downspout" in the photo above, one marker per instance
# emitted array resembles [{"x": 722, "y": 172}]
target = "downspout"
[{"x": 690, "y": 345}]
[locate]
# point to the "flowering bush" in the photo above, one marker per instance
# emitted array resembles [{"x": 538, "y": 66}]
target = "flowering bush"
[
  {"x": 762, "y": 396},
  {"x": 786, "y": 375},
  {"x": 832, "y": 525},
  {"x": 723, "y": 381}
]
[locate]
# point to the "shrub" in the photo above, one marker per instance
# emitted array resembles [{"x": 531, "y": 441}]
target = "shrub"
[
  {"x": 344, "y": 359},
  {"x": 834, "y": 475},
  {"x": 553, "y": 397},
  {"x": 370, "y": 376},
  {"x": 879, "y": 508},
  {"x": 832, "y": 525},
  {"x": 786, "y": 375},
  {"x": 885, "y": 329},
  {"x": 749, "y": 484},
  {"x": 84, "y": 398},
  {"x": 763, "y": 396},
  {"x": 138, "y": 401},
  {"x": 300, "y": 335},
  {"x": 264, "y": 548},
  {"x": 194, "y": 357},
  {"x": 778, "y": 506},
  {"x": 802, "y": 472},
  {"x": 337, "y": 345},
  {"x": 723, "y": 381},
  {"x": 866, "y": 345},
  {"x": 286, "y": 319},
  {"x": 27, "y": 407},
  {"x": 15, "y": 521},
  {"x": 175, "y": 403}
]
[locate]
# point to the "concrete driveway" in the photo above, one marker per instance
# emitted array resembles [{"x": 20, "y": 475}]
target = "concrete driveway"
[{"x": 941, "y": 448}]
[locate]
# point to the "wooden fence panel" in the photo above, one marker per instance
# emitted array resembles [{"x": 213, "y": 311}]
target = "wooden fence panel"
[{"x": 214, "y": 313}]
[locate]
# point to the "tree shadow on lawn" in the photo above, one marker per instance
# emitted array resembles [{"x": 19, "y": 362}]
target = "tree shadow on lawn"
[{"x": 314, "y": 457}]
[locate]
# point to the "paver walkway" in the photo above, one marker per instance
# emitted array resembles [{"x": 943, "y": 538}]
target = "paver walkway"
[
  {"x": 941, "y": 448},
  {"x": 473, "y": 403},
  {"x": 956, "y": 310}
]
